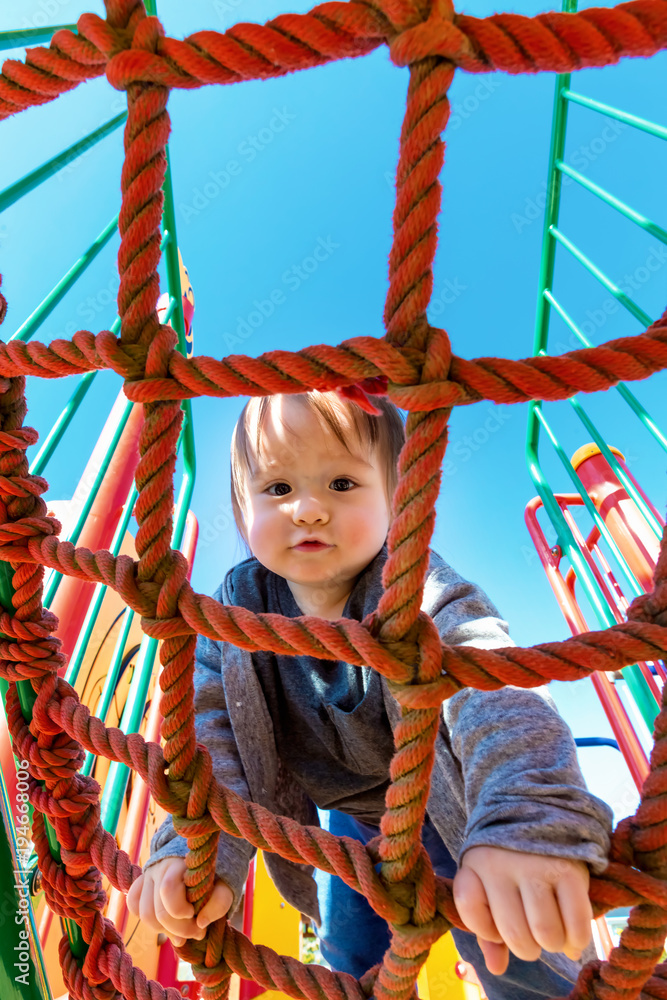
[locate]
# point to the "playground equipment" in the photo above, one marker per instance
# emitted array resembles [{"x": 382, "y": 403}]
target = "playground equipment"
[
  {"x": 49, "y": 725},
  {"x": 626, "y": 527}
]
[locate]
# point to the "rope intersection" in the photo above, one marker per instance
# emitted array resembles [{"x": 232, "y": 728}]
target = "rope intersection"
[{"x": 414, "y": 364}]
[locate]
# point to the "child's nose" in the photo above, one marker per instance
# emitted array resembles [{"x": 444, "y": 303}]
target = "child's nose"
[{"x": 310, "y": 510}]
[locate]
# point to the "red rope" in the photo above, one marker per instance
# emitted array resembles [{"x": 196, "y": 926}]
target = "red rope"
[
  {"x": 501, "y": 380},
  {"x": 415, "y": 364},
  {"x": 513, "y": 43}
]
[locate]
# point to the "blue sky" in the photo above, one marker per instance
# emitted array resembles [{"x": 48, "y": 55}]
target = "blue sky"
[{"x": 266, "y": 172}]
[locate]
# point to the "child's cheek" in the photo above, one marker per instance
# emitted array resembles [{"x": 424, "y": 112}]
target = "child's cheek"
[{"x": 356, "y": 529}]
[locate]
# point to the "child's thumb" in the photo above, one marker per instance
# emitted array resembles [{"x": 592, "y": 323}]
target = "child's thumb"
[{"x": 217, "y": 906}]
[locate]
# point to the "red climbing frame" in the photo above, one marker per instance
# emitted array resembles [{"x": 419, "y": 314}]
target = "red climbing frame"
[{"x": 419, "y": 373}]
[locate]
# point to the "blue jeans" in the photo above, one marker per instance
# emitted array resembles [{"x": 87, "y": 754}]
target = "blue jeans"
[{"x": 353, "y": 937}]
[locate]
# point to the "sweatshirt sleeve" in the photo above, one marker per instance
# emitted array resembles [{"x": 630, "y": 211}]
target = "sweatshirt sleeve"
[
  {"x": 214, "y": 730},
  {"x": 523, "y": 787}
]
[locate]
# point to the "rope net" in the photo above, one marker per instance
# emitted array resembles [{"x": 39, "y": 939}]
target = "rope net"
[{"x": 414, "y": 365}]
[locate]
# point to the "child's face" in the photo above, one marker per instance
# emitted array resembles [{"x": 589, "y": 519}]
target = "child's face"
[{"x": 315, "y": 514}]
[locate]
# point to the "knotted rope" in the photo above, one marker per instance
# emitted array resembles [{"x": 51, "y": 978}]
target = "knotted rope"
[
  {"x": 415, "y": 363},
  {"x": 551, "y": 42}
]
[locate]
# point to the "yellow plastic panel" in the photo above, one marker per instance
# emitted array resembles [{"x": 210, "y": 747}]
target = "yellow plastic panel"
[
  {"x": 274, "y": 922},
  {"x": 438, "y": 979}
]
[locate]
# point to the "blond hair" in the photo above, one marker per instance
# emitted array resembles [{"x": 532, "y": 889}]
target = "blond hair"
[{"x": 384, "y": 435}]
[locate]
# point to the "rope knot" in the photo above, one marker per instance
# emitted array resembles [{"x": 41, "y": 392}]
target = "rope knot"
[
  {"x": 147, "y": 35},
  {"x": 417, "y": 892},
  {"x": 108, "y": 37},
  {"x": 167, "y": 602},
  {"x": 585, "y": 986},
  {"x": 127, "y": 360},
  {"x": 123, "y": 40},
  {"x": 650, "y": 608},
  {"x": 419, "y": 650},
  {"x": 622, "y": 850},
  {"x": 419, "y": 37},
  {"x": 434, "y": 388}
]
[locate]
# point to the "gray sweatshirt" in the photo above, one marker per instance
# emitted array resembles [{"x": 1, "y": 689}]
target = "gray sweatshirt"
[{"x": 505, "y": 774}]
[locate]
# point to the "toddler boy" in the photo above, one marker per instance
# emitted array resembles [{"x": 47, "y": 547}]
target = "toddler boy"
[{"x": 312, "y": 480}]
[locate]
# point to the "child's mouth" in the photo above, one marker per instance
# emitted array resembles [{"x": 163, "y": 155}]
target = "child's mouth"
[{"x": 311, "y": 546}]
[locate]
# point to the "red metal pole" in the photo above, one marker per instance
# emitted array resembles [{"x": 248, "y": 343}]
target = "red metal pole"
[
  {"x": 622, "y": 727},
  {"x": 73, "y": 596}
]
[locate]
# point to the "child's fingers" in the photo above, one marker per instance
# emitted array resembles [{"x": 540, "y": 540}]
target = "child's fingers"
[
  {"x": 217, "y": 906},
  {"x": 496, "y": 956},
  {"x": 576, "y": 911},
  {"x": 473, "y": 905},
  {"x": 543, "y": 914},
  {"x": 175, "y": 926},
  {"x": 510, "y": 918},
  {"x": 146, "y": 906},
  {"x": 134, "y": 895},
  {"x": 173, "y": 893}
]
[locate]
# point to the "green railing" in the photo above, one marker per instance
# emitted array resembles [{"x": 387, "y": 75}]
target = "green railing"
[
  {"x": 30, "y": 36},
  {"x": 552, "y": 238},
  {"x": 134, "y": 710}
]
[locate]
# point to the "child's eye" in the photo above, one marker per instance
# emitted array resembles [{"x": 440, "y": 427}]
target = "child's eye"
[
  {"x": 281, "y": 489},
  {"x": 342, "y": 484}
]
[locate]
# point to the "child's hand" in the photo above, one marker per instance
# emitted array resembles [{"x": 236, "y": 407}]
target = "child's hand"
[
  {"x": 523, "y": 902},
  {"x": 158, "y": 899}
]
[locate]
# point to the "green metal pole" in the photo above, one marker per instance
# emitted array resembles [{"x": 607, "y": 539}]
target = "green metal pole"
[
  {"x": 552, "y": 209},
  {"x": 46, "y": 307},
  {"x": 133, "y": 713},
  {"x": 56, "y": 163},
  {"x": 55, "y": 435},
  {"x": 29, "y": 36},
  {"x": 636, "y": 682},
  {"x": 604, "y": 279},
  {"x": 640, "y": 412},
  {"x": 631, "y": 579},
  {"x": 73, "y": 537},
  {"x": 174, "y": 286},
  {"x": 77, "y": 657},
  {"x": 566, "y": 541},
  {"x": 609, "y": 199},
  {"x": 659, "y": 131},
  {"x": 110, "y": 681}
]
